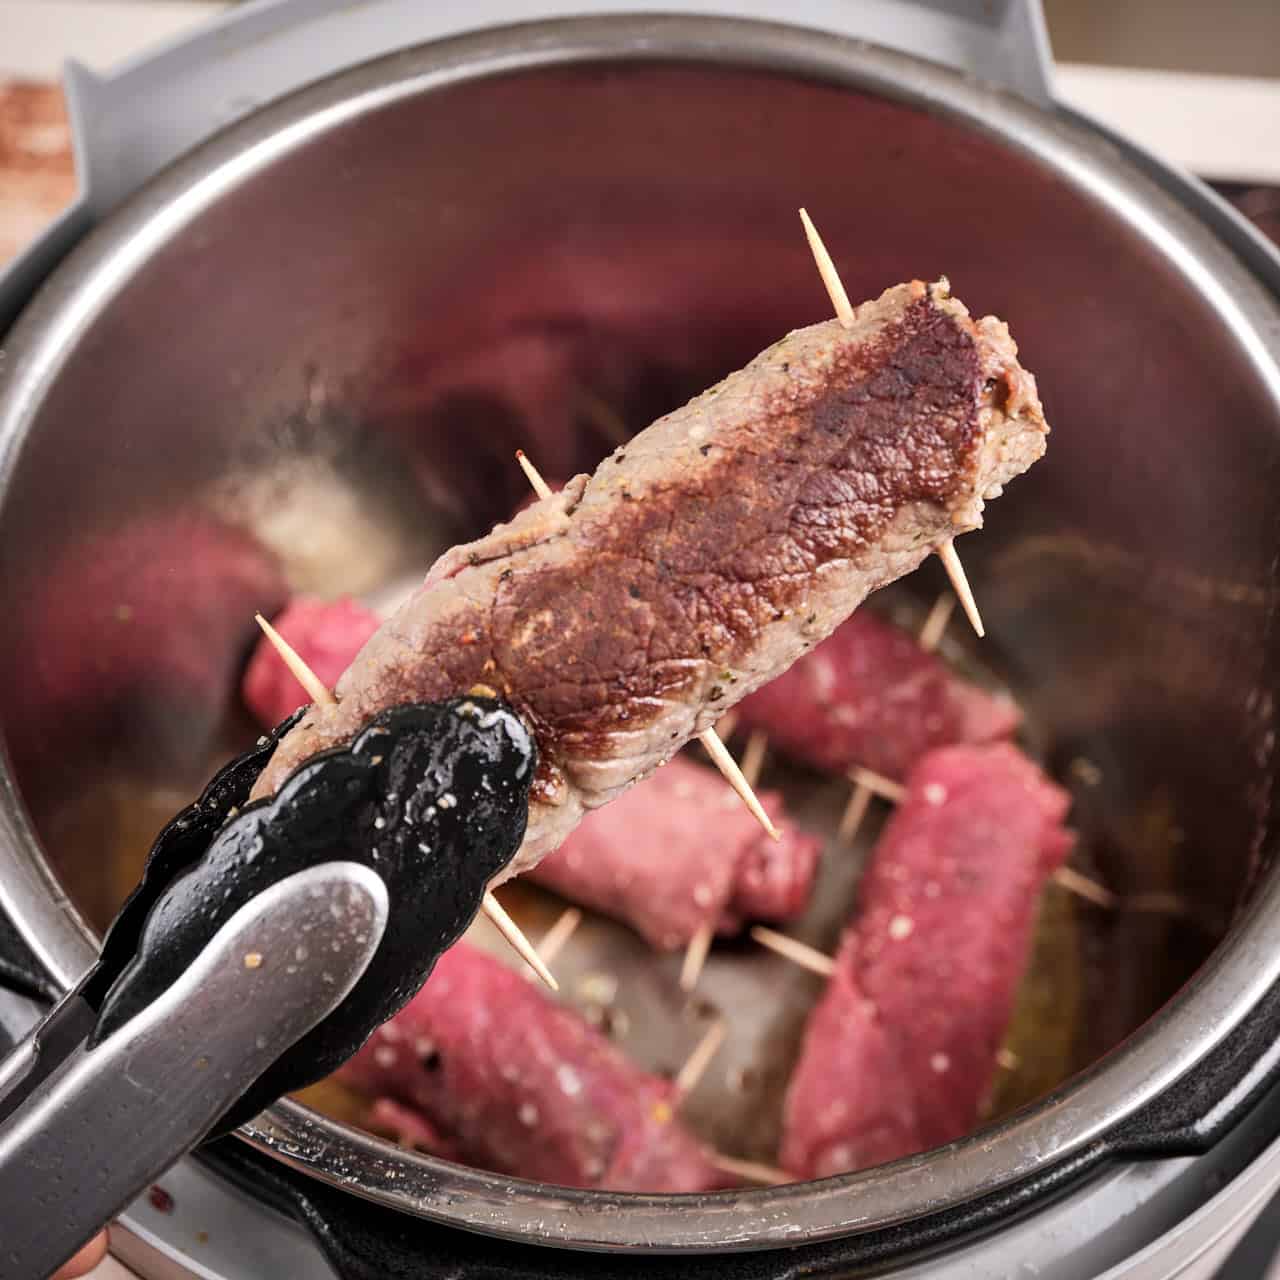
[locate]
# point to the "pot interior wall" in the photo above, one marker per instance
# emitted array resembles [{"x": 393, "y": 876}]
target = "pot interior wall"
[{"x": 319, "y": 381}]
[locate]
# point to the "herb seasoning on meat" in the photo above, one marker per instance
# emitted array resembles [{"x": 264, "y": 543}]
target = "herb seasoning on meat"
[{"x": 763, "y": 513}]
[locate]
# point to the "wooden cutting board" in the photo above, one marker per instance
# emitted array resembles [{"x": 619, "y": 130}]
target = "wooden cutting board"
[{"x": 37, "y": 175}]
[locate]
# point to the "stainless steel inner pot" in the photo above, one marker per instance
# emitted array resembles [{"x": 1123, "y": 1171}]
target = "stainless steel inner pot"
[{"x": 303, "y": 357}]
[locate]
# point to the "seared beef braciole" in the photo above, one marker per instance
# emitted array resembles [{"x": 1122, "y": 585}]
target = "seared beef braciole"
[
  {"x": 625, "y": 614},
  {"x": 668, "y": 857}
]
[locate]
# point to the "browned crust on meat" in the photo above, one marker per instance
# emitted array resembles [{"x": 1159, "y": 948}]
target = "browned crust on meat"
[{"x": 713, "y": 549}]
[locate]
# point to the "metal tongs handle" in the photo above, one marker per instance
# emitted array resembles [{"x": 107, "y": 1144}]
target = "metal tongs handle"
[{"x": 87, "y": 1136}]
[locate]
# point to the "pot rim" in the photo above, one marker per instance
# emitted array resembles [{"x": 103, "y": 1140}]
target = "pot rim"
[{"x": 1198, "y": 1018}]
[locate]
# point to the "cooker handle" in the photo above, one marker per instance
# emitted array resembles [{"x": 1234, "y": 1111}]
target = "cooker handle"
[
  {"x": 129, "y": 125},
  {"x": 1202, "y": 1107}
]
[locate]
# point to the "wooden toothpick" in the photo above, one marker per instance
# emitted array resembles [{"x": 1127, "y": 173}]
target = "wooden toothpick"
[
  {"x": 878, "y": 784},
  {"x": 315, "y": 688},
  {"x": 695, "y": 1066},
  {"x": 844, "y": 313},
  {"x": 750, "y": 1170},
  {"x": 512, "y": 932},
  {"x": 854, "y": 812},
  {"x": 753, "y": 756},
  {"x": 827, "y": 270},
  {"x": 492, "y": 908},
  {"x": 533, "y": 475},
  {"x": 935, "y": 625},
  {"x": 716, "y": 749},
  {"x": 793, "y": 949},
  {"x": 1071, "y": 880},
  {"x": 553, "y": 941},
  {"x": 727, "y": 765},
  {"x": 695, "y": 955},
  {"x": 955, "y": 571}
]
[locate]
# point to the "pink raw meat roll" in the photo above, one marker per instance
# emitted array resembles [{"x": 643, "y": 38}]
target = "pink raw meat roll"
[
  {"x": 900, "y": 1052},
  {"x": 869, "y": 695},
  {"x": 481, "y": 1066},
  {"x": 680, "y": 850}
]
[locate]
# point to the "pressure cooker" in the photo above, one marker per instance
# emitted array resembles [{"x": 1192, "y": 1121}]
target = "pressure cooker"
[{"x": 286, "y": 219}]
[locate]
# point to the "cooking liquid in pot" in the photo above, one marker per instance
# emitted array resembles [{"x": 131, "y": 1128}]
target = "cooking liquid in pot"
[{"x": 613, "y": 978}]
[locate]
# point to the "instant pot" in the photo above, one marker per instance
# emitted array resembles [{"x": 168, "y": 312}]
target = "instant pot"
[{"x": 298, "y": 235}]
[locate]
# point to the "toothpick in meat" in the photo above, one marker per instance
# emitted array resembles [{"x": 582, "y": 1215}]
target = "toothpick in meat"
[
  {"x": 750, "y": 1170},
  {"x": 555, "y": 938},
  {"x": 935, "y": 625},
  {"x": 315, "y": 688},
  {"x": 727, "y": 765},
  {"x": 753, "y": 756},
  {"x": 844, "y": 313},
  {"x": 955, "y": 571},
  {"x": 827, "y": 270},
  {"x": 322, "y": 696},
  {"x": 1083, "y": 887},
  {"x": 533, "y": 475},
  {"x": 512, "y": 932},
  {"x": 695, "y": 1067},
  {"x": 878, "y": 784},
  {"x": 793, "y": 949},
  {"x": 695, "y": 956},
  {"x": 854, "y": 812}
]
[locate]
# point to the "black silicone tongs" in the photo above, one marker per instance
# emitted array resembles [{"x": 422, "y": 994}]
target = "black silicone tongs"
[{"x": 263, "y": 945}]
